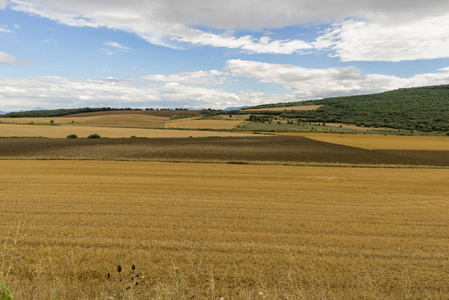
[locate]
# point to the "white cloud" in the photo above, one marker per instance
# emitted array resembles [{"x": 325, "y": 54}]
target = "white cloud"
[
  {"x": 385, "y": 30},
  {"x": 57, "y": 92},
  {"x": 315, "y": 83},
  {"x": 427, "y": 38},
  {"x": 3, "y": 4},
  {"x": 4, "y": 28},
  {"x": 212, "y": 77},
  {"x": 117, "y": 45},
  {"x": 106, "y": 51},
  {"x": 6, "y": 58}
]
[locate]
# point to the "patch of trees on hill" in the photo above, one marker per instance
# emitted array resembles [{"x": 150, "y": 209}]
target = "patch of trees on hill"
[{"x": 424, "y": 109}]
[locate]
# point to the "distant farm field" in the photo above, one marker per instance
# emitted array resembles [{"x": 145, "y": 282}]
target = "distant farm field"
[
  {"x": 392, "y": 142},
  {"x": 212, "y": 231},
  {"x": 298, "y": 107},
  {"x": 203, "y": 124},
  {"x": 8, "y": 130}
]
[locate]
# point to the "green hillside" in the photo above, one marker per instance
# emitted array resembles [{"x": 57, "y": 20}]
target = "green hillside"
[{"x": 424, "y": 109}]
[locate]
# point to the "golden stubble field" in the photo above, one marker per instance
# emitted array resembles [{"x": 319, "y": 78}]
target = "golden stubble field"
[
  {"x": 219, "y": 230},
  {"x": 372, "y": 141},
  {"x": 15, "y": 130}
]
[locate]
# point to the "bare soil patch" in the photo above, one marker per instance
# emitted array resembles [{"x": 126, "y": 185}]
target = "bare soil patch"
[{"x": 258, "y": 148}]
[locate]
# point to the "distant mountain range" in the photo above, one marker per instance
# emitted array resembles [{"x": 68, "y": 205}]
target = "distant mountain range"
[{"x": 236, "y": 108}]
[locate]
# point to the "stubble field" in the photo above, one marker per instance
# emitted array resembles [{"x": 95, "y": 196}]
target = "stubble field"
[{"x": 214, "y": 230}]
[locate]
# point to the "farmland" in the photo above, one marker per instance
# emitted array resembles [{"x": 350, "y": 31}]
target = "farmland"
[
  {"x": 14, "y": 130},
  {"x": 297, "y": 232},
  {"x": 211, "y": 215},
  {"x": 252, "y": 148}
]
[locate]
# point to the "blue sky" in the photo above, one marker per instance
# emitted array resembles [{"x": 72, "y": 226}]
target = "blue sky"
[{"x": 215, "y": 54}]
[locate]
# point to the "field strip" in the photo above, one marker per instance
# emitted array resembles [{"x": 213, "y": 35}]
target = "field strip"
[
  {"x": 299, "y": 107},
  {"x": 203, "y": 124},
  {"x": 10, "y": 130},
  {"x": 222, "y": 230},
  {"x": 371, "y": 141}
]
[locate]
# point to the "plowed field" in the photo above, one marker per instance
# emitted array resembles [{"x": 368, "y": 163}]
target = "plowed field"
[{"x": 253, "y": 148}]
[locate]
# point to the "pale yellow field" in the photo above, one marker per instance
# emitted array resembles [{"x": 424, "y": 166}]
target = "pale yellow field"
[
  {"x": 202, "y": 124},
  {"x": 112, "y": 120},
  {"x": 208, "y": 231},
  {"x": 127, "y": 120},
  {"x": 379, "y": 141},
  {"x": 8, "y": 130},
  {"x": 300, "y": 107}
]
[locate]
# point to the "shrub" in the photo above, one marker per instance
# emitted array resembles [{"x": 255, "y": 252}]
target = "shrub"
[
  {"x": 94, "y": 136},
  {"x": 72, "y": 136},
  {"x": 5, "y": 292}
]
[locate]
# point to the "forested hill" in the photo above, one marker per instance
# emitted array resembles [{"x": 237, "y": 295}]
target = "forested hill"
[{"x": 423, "y": 108}]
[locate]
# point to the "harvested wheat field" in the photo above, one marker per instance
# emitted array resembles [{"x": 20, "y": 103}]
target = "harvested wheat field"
[
  {"x": 14, "y": 130},
  {"x": 372, "y": 141},
  {"x": 232, "y": 231}
]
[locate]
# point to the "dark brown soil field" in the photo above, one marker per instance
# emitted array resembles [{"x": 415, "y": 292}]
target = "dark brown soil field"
[
  {"x": 233, "y": 149},
  {"x": 157, "y": 113}
]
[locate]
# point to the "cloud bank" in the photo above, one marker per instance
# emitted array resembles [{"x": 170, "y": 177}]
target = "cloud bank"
[
  {"x": 372, "y": 30},
  {"x": 180, "y": 90}
]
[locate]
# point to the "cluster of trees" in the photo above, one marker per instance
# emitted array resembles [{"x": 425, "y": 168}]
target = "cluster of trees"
[
  {"x": 57, "y": 112},
  {"x": 70, "y": 111},
  {"x": 424, "y": 109}
]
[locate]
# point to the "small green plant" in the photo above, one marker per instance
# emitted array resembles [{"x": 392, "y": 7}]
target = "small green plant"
[
  {"x": 5, "y": 292},
  {"x": 72, "y": 136},
  {"x": 52, "y": 121},
  {"x": 94, "y": 136},
  {"x": 133, "y": 136}
]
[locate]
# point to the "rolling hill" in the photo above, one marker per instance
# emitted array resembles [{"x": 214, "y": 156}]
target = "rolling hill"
[{"x": 423, "y": 109}]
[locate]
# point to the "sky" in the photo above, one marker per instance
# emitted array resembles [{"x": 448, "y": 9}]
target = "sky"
[{"x": 215, "y": 54}]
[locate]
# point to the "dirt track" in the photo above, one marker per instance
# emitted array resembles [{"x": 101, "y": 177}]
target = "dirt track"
[{"x": 275, "y": 148}]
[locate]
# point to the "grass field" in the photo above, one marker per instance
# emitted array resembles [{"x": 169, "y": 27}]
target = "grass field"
[
  {"x": 233, "y": 231},
  {"x": 11, "y": 130},
  {"x": 379, "y": 141}
]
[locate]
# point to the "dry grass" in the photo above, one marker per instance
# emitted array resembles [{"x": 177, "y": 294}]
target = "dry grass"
[
  {"x": 9, "y": 130},
  {"x": 197, "y": 123},
  {"x": 379, "y": 141},
  {"x": 232, "y": 231},
  {"x": 299, "y": 107}
]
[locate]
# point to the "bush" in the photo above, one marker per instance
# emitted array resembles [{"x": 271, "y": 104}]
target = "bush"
[
  {"x": 94, "y": 136},
  {"x": 72, "y": 136},
  {"x": 5, "y": 292}
]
